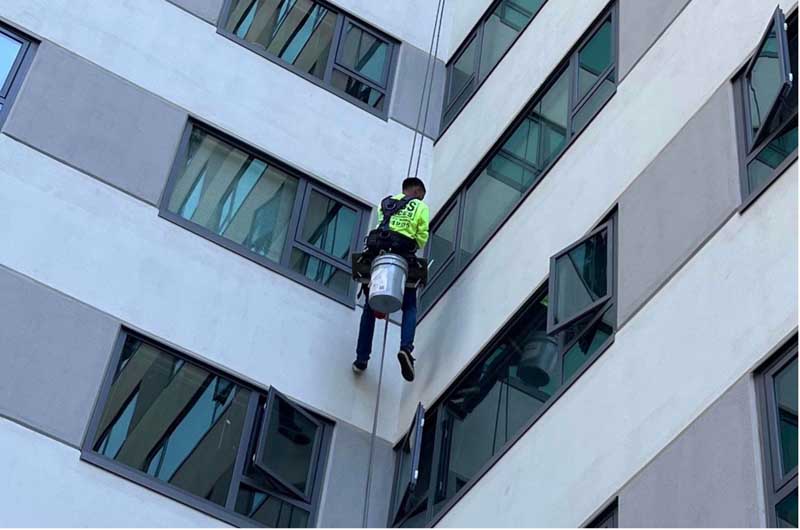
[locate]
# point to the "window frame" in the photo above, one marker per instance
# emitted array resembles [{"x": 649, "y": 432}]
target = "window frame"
[
  {"x": 342, "y": 18},
  {"x": 305, "y": 186},
  {"x": 476, "y": 32},
  {"x": 414, "y": 434},
  {"x": 608, "y": 514},
  {"x": 569, "y": 65},
  {"x": 19, "y": 68},
  {"x": 777, "y": 485},
  {"x": 747, "y": 149},
  {"x": 225, "y": 513}
]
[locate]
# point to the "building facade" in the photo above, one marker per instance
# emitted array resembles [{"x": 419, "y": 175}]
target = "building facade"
[{"x": 608, "y": 336}]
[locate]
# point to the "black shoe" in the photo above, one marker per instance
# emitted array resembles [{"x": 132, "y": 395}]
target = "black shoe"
[
  {"x": 359, "y": 366},
  {"x": 406, "y": 364}
]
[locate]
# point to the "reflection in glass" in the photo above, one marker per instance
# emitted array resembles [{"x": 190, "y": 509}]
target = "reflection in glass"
[
  {"x": 329, "y": 225},
  {"x": 502, "y": 27},
  {"x": 761, "y": 168},
  {"x": 173, "y": 420},
  {"x": 442, "y": 242},
  {"x": 364, "y": 54},
  {"x": 298, "y": 31},
  {"x": 234, "y": 195},
  {"x": 9, "y": 49},
  {"x": 434, "y": 289},
  {"x": 581, "y": 277},
  {"x": 413, "y": 504},
  {"x": 786, "y": 510},
  {"x": 320, "y": 271},
  {"x": 589, "y": 342},
  {"x": 594, "y": 102},
  {"x": 786, "y": 400},
  {"x": 270, "y": 511},
  {"x": 765, "y": 81},
  {"x": 594, "y": 59},
  {"x": 358, "y": 89}
]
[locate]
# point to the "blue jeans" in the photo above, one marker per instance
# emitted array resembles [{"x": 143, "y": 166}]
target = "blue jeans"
[{"x": 407, "y": 326}]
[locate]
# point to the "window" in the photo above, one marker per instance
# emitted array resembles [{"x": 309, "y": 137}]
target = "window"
[
  {"x": 198, "y": 436},
  {"x": 511, "y": 384},
  {"x": 320, "y": 43},
  {"x": 264, "y": 211},
  {"x": 568, "y": 100},
  {"x": 766, "y": 95},
  {"x": 475, "y": 59},
  {"x": 777, "y": 393},
  {"x": 608, "y": 518},
  {"x": 16, "y": 52}
]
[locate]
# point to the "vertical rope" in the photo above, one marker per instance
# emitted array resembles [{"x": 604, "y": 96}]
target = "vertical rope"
[
  {"x": 374, "y": 427},
  {"x": 430, "y": 89}
]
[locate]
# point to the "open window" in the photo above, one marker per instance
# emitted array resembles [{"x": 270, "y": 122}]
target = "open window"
[
  {"x": 289, "y": 445},
  {"x": 409, "y": 502},
  {"x": 581, "y": 278}
]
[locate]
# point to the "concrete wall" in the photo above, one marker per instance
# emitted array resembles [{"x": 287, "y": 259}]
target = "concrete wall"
[
  {"x": 678, "y": 201},
  {"x": 207, "y": 10},
  {"x": 408, "y": 92},
  {"x": 94, "y": 121},
  {"x": 709, "y": 476}
]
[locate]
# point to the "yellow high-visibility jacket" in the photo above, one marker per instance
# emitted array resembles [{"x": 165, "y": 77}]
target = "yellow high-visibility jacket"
[{"x": 412, "y": 221}]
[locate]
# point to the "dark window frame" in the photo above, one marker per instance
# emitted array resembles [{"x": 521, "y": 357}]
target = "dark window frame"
[
  {"x": 607, "y": 518},
  {"x": 225, "y": 514},
  {"x": 305, "y": 186},
  {"x": 19, "y": 68},
  {"x": 342, "y": 18},
  {"x": 777, "y": 485},
  {"x": 458, "y": 199},
  {"x": 449, "y": 110},
  {"x": 746, "y": 149}
]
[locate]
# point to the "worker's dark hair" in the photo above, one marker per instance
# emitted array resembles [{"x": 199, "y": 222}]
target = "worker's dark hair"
[{"x": 413, "y": 182}]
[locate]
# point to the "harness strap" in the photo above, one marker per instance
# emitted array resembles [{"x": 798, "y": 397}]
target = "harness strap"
[{"x": 389, "y": 207}]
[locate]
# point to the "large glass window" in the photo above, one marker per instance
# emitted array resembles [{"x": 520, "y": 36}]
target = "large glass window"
[
  {"x": 316, "y": 40},
  {"x": 777, "y": 391},
  {"x": 495, "y": 33},
  {"x": 569, "y": 99},
  {"x": 249, "y": 204},
  {"x": 185, "y": 430},
  {"x": 510, "y": 384},
  {"x": 15, "y": 50},
  {"x": 767, "y": 103}
]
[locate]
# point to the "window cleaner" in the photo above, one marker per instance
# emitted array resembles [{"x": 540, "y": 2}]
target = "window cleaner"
[{"x": 390, "y": 272}]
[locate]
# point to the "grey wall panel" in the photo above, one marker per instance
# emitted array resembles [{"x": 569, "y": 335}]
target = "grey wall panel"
[
  {"x": 343, "y": 499},
  {"x": 208, "y": 10},
  {"x": 641, "y": 23},
  {"x": 53, "y": 354},
  {"x": 677, "y": 202},
  {"x": 708, "y": 477},
  {"x": 407, "y": 92},
  {"x": 94, "y": 121}
]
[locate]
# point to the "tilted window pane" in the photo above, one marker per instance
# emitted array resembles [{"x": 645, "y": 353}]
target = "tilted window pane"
[
  {"x": 234, "y": 195},
  {"x": 270, "y": 511},
  {"x": 329, "y": 225},
  {"x": 786, "y": 510},
  {"x": 593, "y": 104},
  {"x": 594, "y": 59},
  {"x": 502, "y": 27},
  {"x": 358, "y": 89},
  {"x": 413, "y": 504},
  {"x": 581, "y": 277},
  {"x": 9, "y": 49},
  {"x": 442, "y": 242},
  {"x": 298, "y": 31},
  {"x": 786, "y": 400},
  {"x": 463, "y": 70},
  {"x": 320, "y": 271},
  {"x": 174, "y": 421},
  {"x": 765, "y": 81},
  {"x": 588, "y": 343},
  {"x": 762, "y": 167},
  {"x": 364, "y": 53}
]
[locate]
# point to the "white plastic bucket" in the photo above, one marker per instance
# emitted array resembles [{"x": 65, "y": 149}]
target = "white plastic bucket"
[{"x": 386, "y": 284}]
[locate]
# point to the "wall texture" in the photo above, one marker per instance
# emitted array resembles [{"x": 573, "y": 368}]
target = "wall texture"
[{"x": 208, "y": 10}]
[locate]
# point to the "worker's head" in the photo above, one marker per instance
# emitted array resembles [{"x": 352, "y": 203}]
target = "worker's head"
[{"x": 413, "y": 187}]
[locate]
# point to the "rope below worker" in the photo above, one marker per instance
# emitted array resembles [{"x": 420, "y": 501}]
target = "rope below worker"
[{"x": 427, "y": 84}]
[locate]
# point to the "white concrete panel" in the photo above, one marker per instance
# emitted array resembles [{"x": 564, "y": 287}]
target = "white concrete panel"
[
  {"x": 46, "y": 485},
  {"x": 515, "y": 79},
  {"x": 113, "y": 252},
  {"x": 182, "y": 59},
  {"x": 461, "y": 16},
  {"x": 715, "y": 321},
  {"x": 667, "y": 87}
]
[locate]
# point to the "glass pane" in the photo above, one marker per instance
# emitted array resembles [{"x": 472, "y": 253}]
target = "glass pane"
[
  {"x": 588, "y": 343},
  {"x": 762, "y": 167},
  {"x": 290, "y": 445},
  {"x": 270, "y": 511},
  {"x": 502, "y": 27},
  {"x": 442, "y": 242},
  {"x": 786, "y": 511},
  {"x": 594, "y": 58},
  {"x": 551, "y": 115},
  {"x": 786, "y": 400},
  {"x": 414, "y": 500},
  {"x": 329, "y": 225},
  {"x": 593, "y": 104},
  {"x": 9, "y": 48},
  {"x": 462, "y": 71},
  {"x": 364, "y": 53},
  {"x": 359, "y": 90},
  {"x": 298, "y": 31},
  {"x": 581, "y": 276},
  {"x": 499, "y": 396},
  {"x": 321, "y": 272},
  {"x": 433, "y": 290},
  {"x": 764, "y": 81},
  {"x": 235, "y": 195},
  {"x": 174, "y": 421},
  {"x": 525, "y": 144}
]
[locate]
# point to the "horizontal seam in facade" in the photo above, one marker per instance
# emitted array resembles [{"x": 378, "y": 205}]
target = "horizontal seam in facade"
[{"x": 37, "y": 429}]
